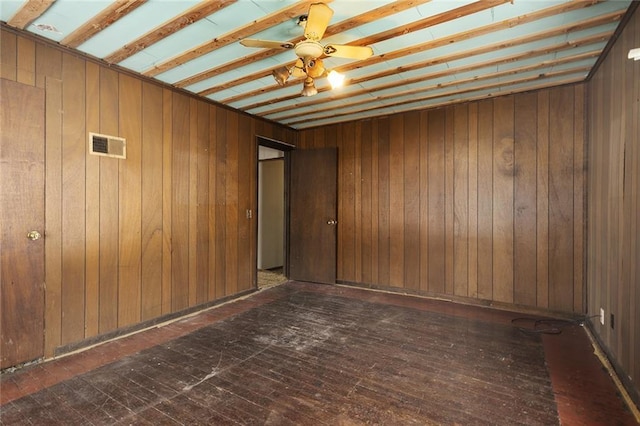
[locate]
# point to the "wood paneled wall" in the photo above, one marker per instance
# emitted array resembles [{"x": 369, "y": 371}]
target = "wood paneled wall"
[
  {"x": 484, "y": 200},
  {"x": 613, "y": 273},
  {"x": 162, "y": 231}
]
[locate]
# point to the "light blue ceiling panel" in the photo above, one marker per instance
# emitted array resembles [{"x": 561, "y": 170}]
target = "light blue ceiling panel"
[
  {"x": 138, "y": 22},
  {"x": 8, "y": 8},
  {"x": 468, "y": 64},
  {"x": 66, "y": 16}
]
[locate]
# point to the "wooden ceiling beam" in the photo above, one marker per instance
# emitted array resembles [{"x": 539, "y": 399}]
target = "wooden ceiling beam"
[
  {"x": 186, "y": 18},
  {"x": 29, "y": 12},
  {"x": 571, "y": 44},
  {"x": 431, "y": 96},
  {"x": 487, "y": 29},
  {"x": 253, "y": 27},
  {"x": 373, "y": 15},
  {"x": 346, "y": 25},
  {"x": 444, "y": 41},
  {"x": 102, "y": 20},
  {"x": 458, "y": 82},
  {"x": 310, "y": 123},
  {"x": 553, "y": 32}
]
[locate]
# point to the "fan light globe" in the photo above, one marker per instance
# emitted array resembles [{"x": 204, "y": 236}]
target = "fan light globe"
[
  {"x": 309, "y": 89},
  {"x": 315, "y": 68},
  {"x": 335, "y": 79},
  {"x": 281, "y": 75}
]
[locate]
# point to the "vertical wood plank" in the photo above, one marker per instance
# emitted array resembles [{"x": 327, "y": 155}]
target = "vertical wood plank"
[
  {"x": 624, "y": 302},
  {"x": 411, "y": 191},
  {"x": 193, "y": 201},
  {"x": 449, "y": 200},
  {"x": 473, "y": 200},
  {"x": 436, "y": 187},
  {"x": 357, "y": 207},
  {"x": 634, "y": 206},
  {"x": 375, "y": 184},
  {"x": 180, "y": 202},
  {"x": 396, "y": 201},
  {"x": 615, "y": 231},
  {"x": 366, "y": 213},
  {"x": 525, "y": 241},
  {"x": 167, "y": 200},
  {"x": 424, "y": 200},
  {"x": 503, "y": 157},
  {"x": 109, "y": 220},
  {"x": 8, "y": 56},
  {"x": 634, "y": 349},
  {"x": 92, "y": 206},
  {"x": 246, "y": 167},
  {"x": 579, "y": 183},
  {"x": 53, "y": 217},
  {"x": 460, "y": 197},
  {"x": 383, "y": 202},
  {"x": 346, "y": 203},
  {"x": 48, "y": 64},
  {"x": 561, "y": 201},
  {"x": 212, "y": 202},
  {"x": 26, "y": 61},
  {"x": 485, "y": 200},
  {"x": 152, "y": 202},
  {"x": 73, "y": 198},
  {"x": 542, "y": 201},
  {"x": 232, "y": 216},
  {"x": 130, "y": 202},
  {"x": 221, "y": 203},
  {"x": 202, "y": 204}
]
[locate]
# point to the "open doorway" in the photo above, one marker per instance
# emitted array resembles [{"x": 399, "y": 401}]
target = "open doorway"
[{"x": 272, "y": 213}]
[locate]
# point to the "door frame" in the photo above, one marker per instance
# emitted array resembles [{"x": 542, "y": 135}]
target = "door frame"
[{"x": 286, "y": 148}]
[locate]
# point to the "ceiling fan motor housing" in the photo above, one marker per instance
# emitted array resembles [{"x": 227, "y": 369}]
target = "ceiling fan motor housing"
[{"x": 309, "y": 49}]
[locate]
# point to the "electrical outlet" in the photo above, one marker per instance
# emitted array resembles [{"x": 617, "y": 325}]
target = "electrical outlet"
[
  {"x": 601, "y": 316},
  {"x": 612, "y": 321}
]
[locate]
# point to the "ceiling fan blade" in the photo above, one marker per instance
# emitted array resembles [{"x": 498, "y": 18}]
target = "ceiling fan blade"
[
  {"x": 317, "y": 21},
  {"x": 352, "y": 52},
  {"x": 268, "y": 44}
]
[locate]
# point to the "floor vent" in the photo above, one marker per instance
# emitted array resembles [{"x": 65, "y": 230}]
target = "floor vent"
[{"x": 108, "y": 146}]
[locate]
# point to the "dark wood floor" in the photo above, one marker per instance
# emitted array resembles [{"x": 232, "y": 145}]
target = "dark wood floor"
[{"x": 317, "y": 354}]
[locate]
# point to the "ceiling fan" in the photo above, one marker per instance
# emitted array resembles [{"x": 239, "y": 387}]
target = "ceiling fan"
[{"x": 309, "y": 65}]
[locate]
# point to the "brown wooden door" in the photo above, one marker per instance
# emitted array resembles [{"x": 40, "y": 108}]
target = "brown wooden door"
[
  {"x": 21, "y": 211},
  {"x": 313, "y": 215}
]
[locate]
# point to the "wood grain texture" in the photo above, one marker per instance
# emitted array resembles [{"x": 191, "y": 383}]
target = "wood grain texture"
[
  {"x": 524, "y": 226},
  {"x": 92, "y": 206},
  {"x": 109, "y": 217},
  {"x": 436, "y": 194},
  {"x": 561, "y": 200},
  {"x": 130, "y": 202},
  {"x": 152, "y": 198},
  {"x": 461, "y": 212},
  {"x": 613, "y": 177},
  {"x": 180, "y": 208},
  {"x": 542, "y": 201},
  {"x": 73, "y": 198},
  {"x": 22, "y": 208},
  {"x": 53, "y": 214},
  {"x": 465, "y": 189},
  {"x": 132, "y": 240},
  {"x": 412, "y": 231},
  {"x": 503, "y": 181}
]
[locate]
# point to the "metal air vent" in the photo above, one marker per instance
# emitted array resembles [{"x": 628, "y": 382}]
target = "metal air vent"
[{"x": 108, "y": 146}]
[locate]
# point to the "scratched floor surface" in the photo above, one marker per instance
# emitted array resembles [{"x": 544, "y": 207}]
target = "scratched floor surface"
[{"x": 303, "y": 354}]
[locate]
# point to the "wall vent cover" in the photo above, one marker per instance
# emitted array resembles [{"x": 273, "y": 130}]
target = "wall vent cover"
[{"x": 108, "y": 146}]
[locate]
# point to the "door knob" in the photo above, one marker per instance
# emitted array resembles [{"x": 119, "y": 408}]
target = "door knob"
[
  {"x": 332, "y": 222},
  {"x": 33, "y": 235}
]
